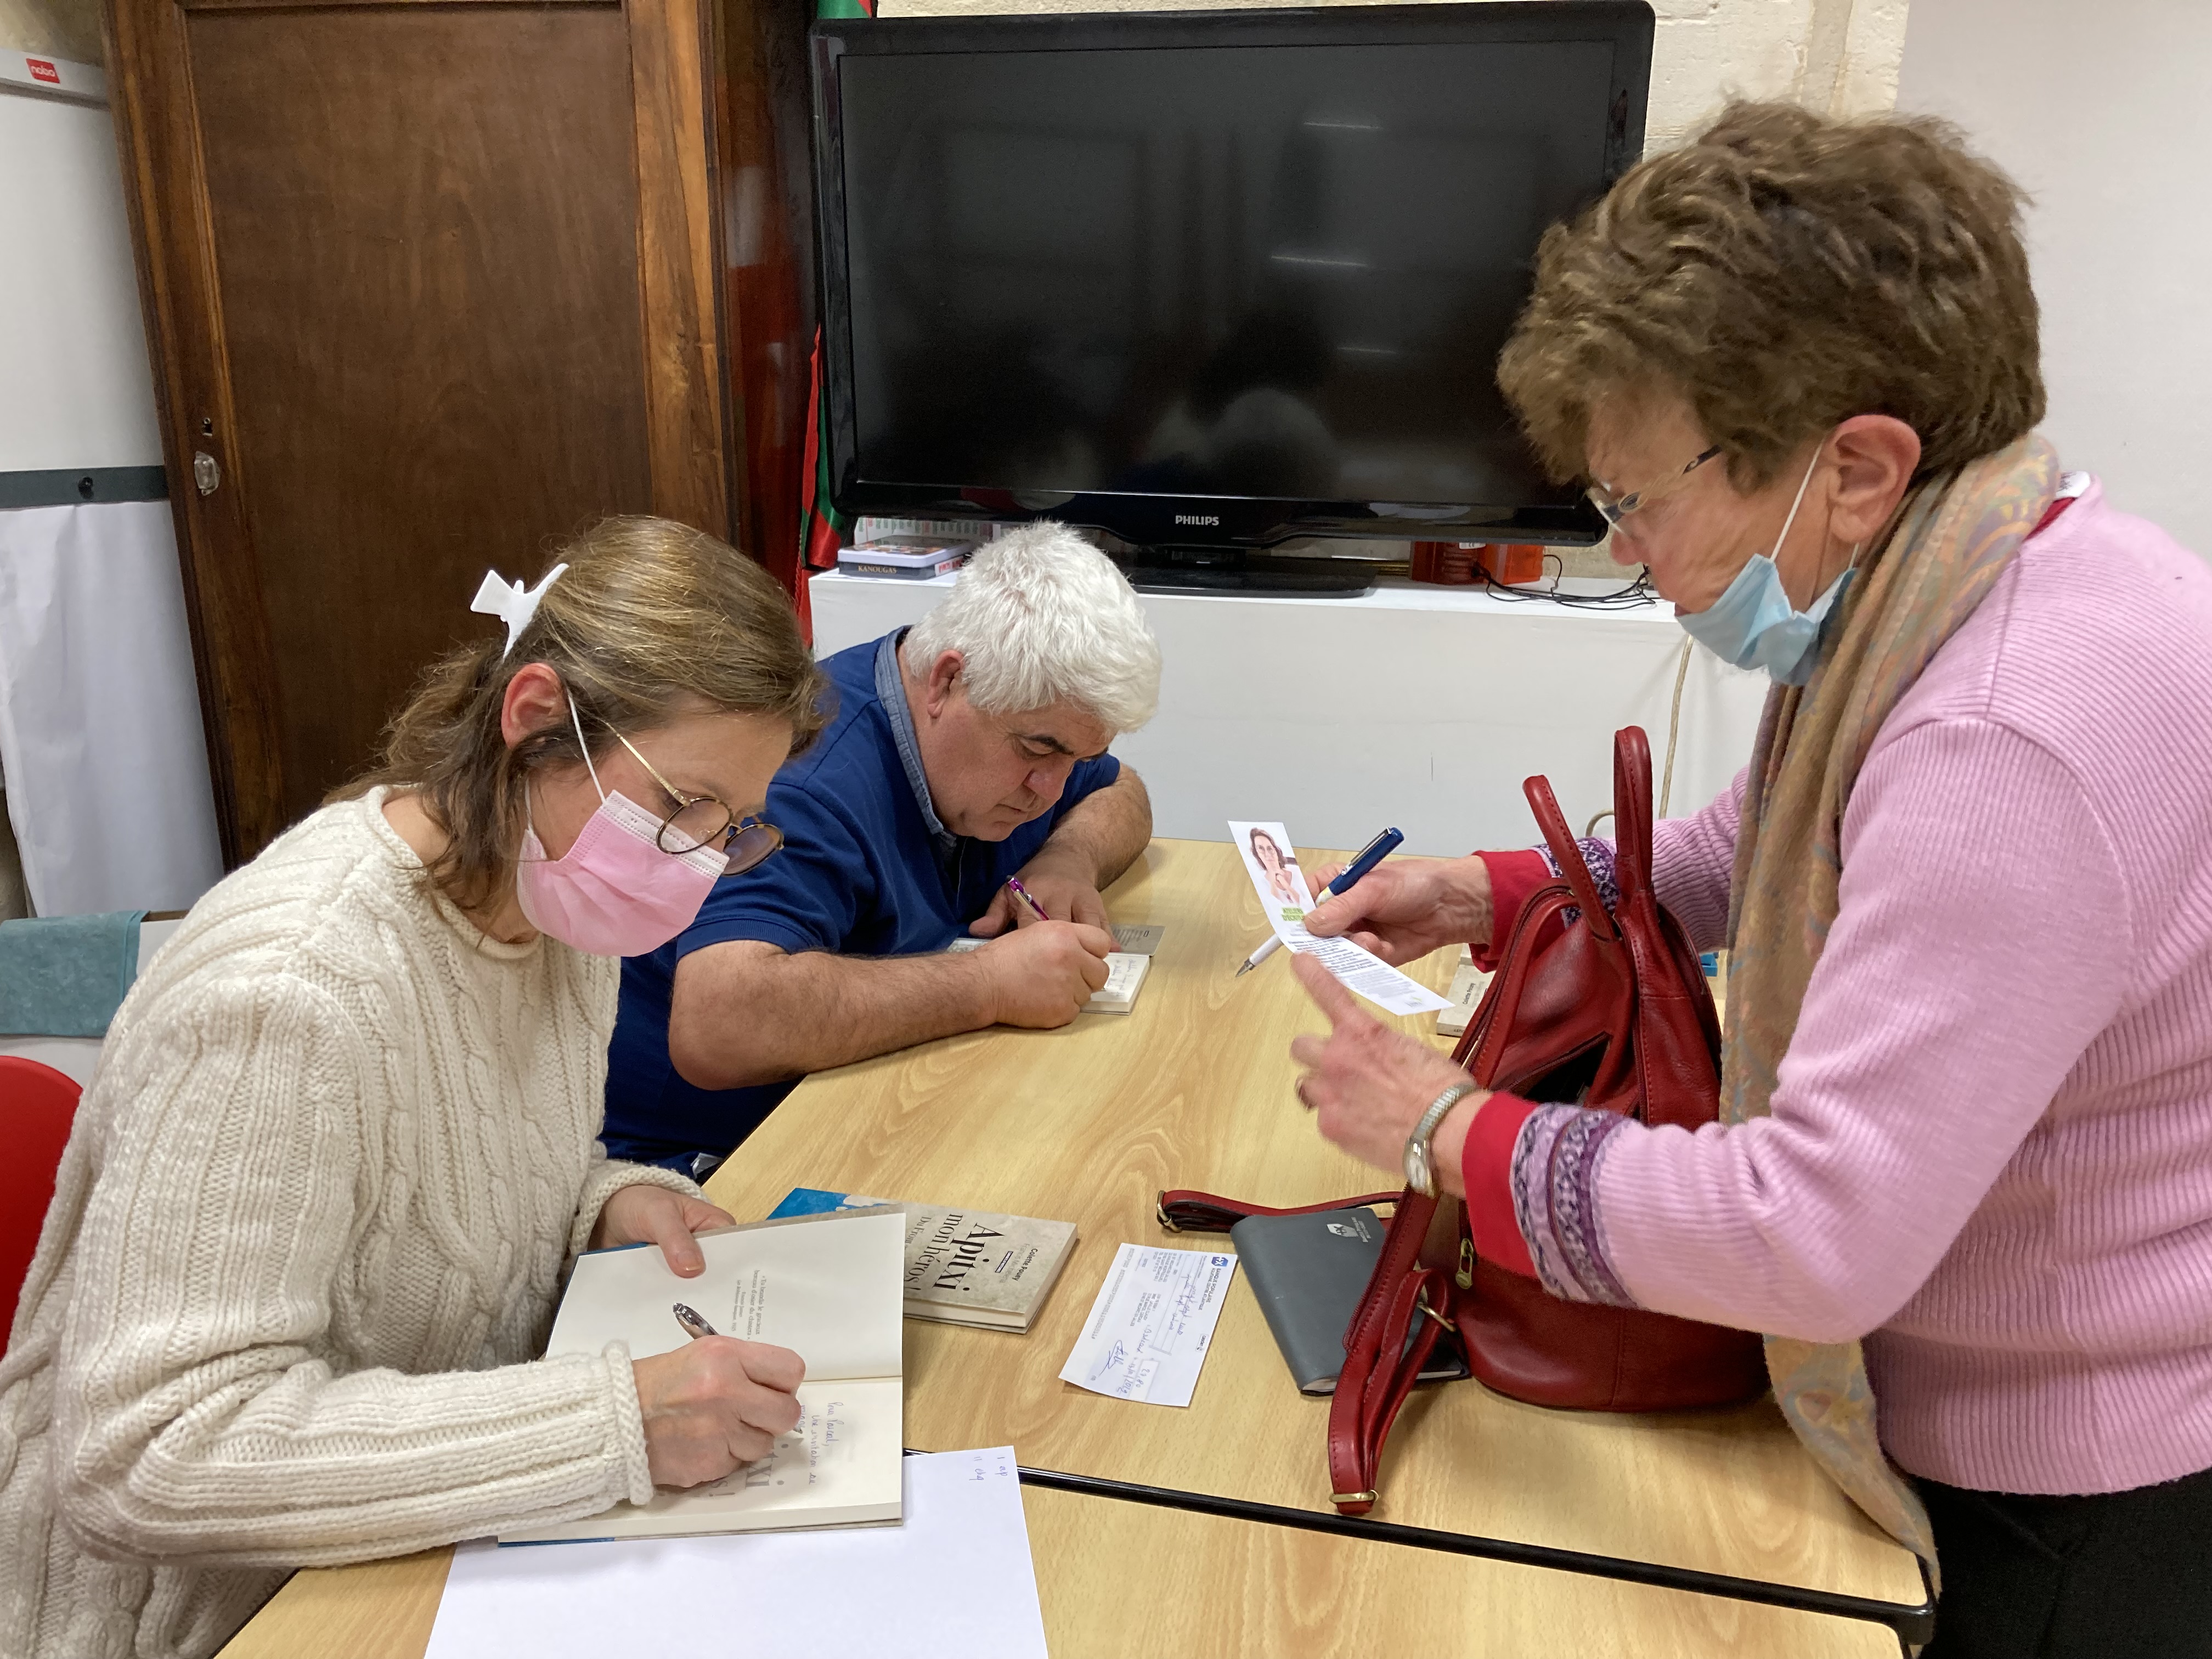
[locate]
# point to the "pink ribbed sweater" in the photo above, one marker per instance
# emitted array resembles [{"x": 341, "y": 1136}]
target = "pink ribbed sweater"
[{"x": 1991, "y": 1150}]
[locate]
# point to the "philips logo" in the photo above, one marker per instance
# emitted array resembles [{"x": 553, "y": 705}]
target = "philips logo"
[{"x": 1198, "y": 518}]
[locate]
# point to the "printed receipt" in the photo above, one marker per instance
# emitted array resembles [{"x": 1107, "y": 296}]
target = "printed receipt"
[
  {"x": 1149, "y": 1330},
  {"x": 1280, "y": 881}
]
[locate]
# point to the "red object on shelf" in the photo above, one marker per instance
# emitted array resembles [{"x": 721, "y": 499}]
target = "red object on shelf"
[
  {"x": 36, "y": 1106},
  {"x": 1450, "y": 564},
  {"x": 1516, "y": 564}
]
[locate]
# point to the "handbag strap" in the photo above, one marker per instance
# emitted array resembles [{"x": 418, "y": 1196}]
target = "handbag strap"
[
  {"x": 1567, "y": 853},
  {"x": 1631, "y": 816},
  {"x": 1182, "y": 1211},
  {"x": 1406, "y": 1308}
]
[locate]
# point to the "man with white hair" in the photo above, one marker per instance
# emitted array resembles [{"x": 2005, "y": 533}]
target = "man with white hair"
[{"x": 965, "y": 750}]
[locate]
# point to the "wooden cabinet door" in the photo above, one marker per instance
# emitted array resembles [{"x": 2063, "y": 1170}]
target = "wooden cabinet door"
[{"x": 429, "y": 285}]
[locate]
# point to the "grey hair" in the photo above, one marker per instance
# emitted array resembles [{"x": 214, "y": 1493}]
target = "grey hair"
[{"x": 1040, "y": 617}]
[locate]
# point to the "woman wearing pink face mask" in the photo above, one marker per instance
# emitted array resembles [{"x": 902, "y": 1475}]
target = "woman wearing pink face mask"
[{"x": 311, "y": 1222}]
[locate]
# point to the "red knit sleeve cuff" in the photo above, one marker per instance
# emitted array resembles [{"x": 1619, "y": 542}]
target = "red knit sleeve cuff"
[
  {"x": 1513, "y": 876},
  {"x": 1486, "y": 1166}
]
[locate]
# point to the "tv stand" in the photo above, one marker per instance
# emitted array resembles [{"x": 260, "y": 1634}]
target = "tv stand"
[{"x": 1235, "y": 570}]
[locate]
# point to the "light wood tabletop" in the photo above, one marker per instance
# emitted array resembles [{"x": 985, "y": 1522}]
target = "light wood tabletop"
[
  {"x": 1115, "y": 1577},
  {"x": 1192, "y": 1088}
]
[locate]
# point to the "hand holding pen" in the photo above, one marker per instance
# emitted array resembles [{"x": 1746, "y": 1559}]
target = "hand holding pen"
[
  {"x": 1363, "y": 861},
  {"x": 711, "y": 1407},
  {"x": 1410, "y": 907}
]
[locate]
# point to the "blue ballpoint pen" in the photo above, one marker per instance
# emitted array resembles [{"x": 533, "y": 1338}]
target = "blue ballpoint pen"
[{"x": 1369, "y": 856}]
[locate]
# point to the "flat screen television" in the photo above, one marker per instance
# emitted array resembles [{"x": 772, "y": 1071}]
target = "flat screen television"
[{"x": 1206, "y": 280}]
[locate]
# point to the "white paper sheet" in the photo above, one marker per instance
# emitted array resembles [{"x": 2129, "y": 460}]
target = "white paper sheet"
[
  {"x": 1280, "y": 881},
  {"x": 956, "y": 1578},
  {"x": 1147, "y": 1334}
]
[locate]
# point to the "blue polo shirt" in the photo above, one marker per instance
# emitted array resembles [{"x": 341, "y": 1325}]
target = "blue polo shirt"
[{"x": 867, "y": 869}]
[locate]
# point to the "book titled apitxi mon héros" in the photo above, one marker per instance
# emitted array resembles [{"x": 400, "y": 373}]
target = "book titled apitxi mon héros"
[{"x": 963, "y": 1267}]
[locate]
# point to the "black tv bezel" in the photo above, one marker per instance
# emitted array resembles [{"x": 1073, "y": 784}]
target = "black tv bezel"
[{"x": 1154, "y": 520}]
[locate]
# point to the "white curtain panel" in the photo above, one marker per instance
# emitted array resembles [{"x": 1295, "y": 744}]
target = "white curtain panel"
[{"x": 100, "y": 740}]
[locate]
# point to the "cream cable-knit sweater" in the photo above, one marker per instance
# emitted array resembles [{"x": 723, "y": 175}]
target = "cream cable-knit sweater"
[{"x": 307, "y": 1234}]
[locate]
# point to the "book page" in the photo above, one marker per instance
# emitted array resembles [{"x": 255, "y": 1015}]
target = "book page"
[
  {"x": 1125, "y": 976},
  {"x": 1280, "y": 882},
  {"x": 839, "y": 1468},
  {"x": 828, "y": 1290}
]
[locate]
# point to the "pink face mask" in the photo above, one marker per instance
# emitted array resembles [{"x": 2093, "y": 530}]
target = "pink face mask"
[{"x": 615, "y": 893}]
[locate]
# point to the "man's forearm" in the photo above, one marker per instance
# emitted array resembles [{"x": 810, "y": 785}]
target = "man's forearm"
[
  {"x": 759, "y": 1016},
  {"x": 1101, "y": 834}
]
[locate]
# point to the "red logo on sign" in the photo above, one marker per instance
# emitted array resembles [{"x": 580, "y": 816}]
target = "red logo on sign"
[{"x": 42, "y": 70}]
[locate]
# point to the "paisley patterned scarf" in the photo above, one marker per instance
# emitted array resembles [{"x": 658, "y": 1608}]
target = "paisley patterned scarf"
[{"x": 1957, "y": 533}]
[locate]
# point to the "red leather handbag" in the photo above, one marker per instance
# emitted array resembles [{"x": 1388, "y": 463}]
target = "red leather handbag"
[{"x": 1605, "y": 1009}]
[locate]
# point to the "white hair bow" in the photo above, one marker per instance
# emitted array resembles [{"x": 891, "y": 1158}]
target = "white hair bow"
[{"x": 511, "y": 602}]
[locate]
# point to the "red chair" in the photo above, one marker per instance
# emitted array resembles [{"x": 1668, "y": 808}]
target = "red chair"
[{"x": 36, "y": 1106}]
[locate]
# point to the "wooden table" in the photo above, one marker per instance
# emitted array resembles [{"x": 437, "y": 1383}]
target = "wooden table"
[
  {"x": 1193, "y": 1089},
  {"x": 1235, "y": 1587}
]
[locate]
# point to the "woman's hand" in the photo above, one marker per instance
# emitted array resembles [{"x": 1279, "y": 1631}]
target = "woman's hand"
[
  {"x": 714, "y": 1405},
  {"x": 1368, "y": 1085},
  {"x": 1403, "y": 908},
  {"x": 646, "y": 1214}
]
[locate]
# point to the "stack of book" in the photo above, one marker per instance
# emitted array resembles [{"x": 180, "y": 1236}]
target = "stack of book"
[{"x": 905, "y": 558}]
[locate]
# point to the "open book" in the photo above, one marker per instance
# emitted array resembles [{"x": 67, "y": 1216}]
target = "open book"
[{"x": 827, "y": 1288}]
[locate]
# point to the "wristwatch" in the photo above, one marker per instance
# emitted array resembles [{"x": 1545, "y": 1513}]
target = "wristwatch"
[{"x": 1420, "y": 1168}]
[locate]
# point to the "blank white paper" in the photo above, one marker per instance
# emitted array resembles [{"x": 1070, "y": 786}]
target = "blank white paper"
[{"x": 956, "y": 1578}]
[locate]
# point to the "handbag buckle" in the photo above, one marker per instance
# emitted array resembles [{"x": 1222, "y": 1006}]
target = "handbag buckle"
[
  {"x": 1367, "y": 1497},
  {"x": 1465, "y": 1277}
]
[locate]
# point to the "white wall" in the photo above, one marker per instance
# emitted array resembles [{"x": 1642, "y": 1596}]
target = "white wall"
[
  {"x": 1421, "y": 707},
  {"x": 2105, "y": 113},
  {"x": 79, "y": 386}
]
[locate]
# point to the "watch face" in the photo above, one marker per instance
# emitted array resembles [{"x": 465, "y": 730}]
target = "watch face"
[{"x": 1417, "y": 1167}]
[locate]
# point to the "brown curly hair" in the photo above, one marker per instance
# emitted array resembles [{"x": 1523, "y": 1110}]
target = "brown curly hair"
[
  {"x": 651, "y": 617},
  {"x": 1782, "y": 273}
]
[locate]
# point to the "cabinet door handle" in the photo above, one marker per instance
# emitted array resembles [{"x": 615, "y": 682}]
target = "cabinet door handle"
[{"x": 206, "y": 473}]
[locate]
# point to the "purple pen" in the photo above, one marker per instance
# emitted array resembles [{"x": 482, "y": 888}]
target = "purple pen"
[{"x": 1014, "y": 883}]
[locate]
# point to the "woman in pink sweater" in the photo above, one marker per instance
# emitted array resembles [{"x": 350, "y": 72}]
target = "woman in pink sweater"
[{"x": 1976, "y": 1146}]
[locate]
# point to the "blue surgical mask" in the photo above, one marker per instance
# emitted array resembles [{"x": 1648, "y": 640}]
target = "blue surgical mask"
[{"x": 1753, "y": 625}]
